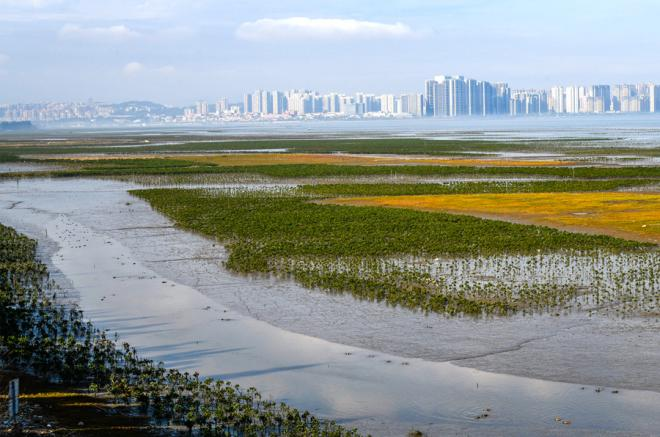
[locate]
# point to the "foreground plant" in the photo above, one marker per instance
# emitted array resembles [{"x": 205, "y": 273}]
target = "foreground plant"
[{"x": 48, "y": 340}]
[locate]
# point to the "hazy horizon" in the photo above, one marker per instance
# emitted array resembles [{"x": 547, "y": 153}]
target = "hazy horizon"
[{"x": 176, "y": 52}]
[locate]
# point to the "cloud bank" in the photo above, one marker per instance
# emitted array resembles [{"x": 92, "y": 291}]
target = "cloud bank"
[
  {"x": 112, "y": 33},
  {"x": 303, "y": 28}
]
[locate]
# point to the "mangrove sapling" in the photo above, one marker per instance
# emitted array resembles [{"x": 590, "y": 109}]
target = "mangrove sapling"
[{"x": 48, "y": 340}]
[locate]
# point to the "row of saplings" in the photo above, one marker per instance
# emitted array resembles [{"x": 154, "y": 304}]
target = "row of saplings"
[{"x": 44, "y": 338}]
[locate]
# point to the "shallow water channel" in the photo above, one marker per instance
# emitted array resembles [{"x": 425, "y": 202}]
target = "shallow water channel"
[{"x": 384, "y": 370}]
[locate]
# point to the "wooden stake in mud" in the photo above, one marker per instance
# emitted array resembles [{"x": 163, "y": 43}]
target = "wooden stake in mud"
[{"x": 13, "y": 399}]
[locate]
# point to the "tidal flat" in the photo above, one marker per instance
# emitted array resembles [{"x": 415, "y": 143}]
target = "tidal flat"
[
  {"x": 534, "y": 324},
  {"x": 166, "y": 292}
]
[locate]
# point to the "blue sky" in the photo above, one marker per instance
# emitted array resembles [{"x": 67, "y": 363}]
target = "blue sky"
[{"x": 179, "y": 51}]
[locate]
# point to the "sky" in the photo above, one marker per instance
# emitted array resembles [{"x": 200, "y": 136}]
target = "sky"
[{"x": 179, "y": 51}]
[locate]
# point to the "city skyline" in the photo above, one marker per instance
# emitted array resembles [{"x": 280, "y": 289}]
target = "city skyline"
[
  {"x": 173, "y": 51},
  {"x": 443, "y": 96}
]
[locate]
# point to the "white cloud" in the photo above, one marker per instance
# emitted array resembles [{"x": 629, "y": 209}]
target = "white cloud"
[
  {"x": 133, "y": 68},
  {"x": 267, "y": 29},
  {"x": 137, "y": 68},
  {"x": 3, "y": 58},
  {"x": 112, "y": 33}
]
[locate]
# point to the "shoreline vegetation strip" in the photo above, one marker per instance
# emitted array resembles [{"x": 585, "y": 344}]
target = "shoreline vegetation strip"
[
  {"x": 413, "y": 146},
  {"x": 40, "y": 337},
  {"x": 161, "y": 166}
]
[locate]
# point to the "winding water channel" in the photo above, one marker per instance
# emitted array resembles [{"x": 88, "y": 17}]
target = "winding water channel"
[{"x": 384, "y": 370}]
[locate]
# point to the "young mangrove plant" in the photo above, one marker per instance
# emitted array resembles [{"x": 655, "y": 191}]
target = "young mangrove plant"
[{"x": 41, "y": 337}]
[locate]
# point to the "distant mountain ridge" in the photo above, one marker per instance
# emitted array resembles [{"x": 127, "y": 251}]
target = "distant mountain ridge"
[{"x": 141, "y": 108}]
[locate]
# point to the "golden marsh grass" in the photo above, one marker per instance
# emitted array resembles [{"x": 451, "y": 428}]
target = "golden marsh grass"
[{"x": 630, "y": 215}]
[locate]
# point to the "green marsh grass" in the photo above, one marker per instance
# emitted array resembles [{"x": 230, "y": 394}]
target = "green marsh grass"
[{"x": 342, "y": 249}]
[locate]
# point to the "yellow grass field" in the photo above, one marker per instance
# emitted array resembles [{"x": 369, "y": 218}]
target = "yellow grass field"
[
  {"x": 634, "y": 216},
  {"x": 246, "y": 159}
]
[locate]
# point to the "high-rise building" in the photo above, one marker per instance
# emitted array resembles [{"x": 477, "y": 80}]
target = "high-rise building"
[
  {"x": 412, "y": 104},
  {"x": 654, "y": 98},
  {"x": 257, "y": 102},
  {"x": 279, "y": 102},
  {"x": 202, "y": 108},
  {"x": 453, "y": 96},
  {"x": 331, "y": 103},
  {"x": 416, "y": 104},
  {"x": 247, "y": 104},
  {"x": 388, "y": 104},
  {"x": 432, "y": 92},
  {"x": 221, "y": 106},
  {"x": 502, "y": 98},
  {"x": 601, "y": 96},
  {"x": 528, "y": 102},
  {"x": 301, "y": 102},
  {"x": 488, "y": 98},
  {"x": 643, "y": 97},
  {"x": 557, "y": 100},
  {"x": 266, "y": 102},
  {"x": 474, "y": 101},
  {"x": 572, "y": 99},
  {"x": 624, "y": 98}
]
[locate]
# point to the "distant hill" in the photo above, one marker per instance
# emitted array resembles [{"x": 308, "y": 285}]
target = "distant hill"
[
  {"x": 16, "y": 125},
  {"x": 144, "y": 108}
]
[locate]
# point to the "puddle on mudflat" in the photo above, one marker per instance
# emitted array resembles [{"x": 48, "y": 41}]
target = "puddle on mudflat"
[{"x": 164, "y": 291}]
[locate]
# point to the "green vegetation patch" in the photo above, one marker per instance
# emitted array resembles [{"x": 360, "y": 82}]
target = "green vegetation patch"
[
  {"x": 165, "y": 144},
  {"x": 122, "y": 167},
  {"x": 354, "y": 190},
  {"x": 291, "y": 225},
  {"x": 326, "y": 246}
]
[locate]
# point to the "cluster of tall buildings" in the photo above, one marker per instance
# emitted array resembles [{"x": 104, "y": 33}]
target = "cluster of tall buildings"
[
  {"x": 453, "y": 96},
  {"x": 47, "y": 112},
  {"x": 604, "y": 98},
  {"x": 305, "y": 102}
]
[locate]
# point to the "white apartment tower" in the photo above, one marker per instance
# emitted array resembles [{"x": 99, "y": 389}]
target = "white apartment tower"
[
  {"x": 654, "y": 98},
  {"x": 557, "y": 100},
  {"x": 221, "y": 106},
  {"x": 572, "y": 99},
  {"x": 202, "y": 108},
  {"x": 388, "y": 104}
]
